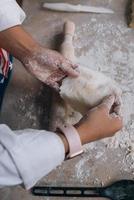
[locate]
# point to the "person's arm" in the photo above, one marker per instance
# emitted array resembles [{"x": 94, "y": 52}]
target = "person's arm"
[
  {"x": 47, "y": 65},
  {"x": 27, "y": 157},
  {"x": 100, "y": 122}
]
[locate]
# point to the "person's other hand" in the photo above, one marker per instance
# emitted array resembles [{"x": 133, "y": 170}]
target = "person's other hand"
[
  {"x": 46, "y": 65},
  {"x": 100, "y": 122},
  {"x": 49, "y": 66}
]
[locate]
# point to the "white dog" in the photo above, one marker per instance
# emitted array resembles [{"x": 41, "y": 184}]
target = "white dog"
[{"x": 88, "y": 90}]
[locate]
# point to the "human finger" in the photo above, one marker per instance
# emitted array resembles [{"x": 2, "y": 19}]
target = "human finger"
[
  {"x": 118, "y": 106},
  {"x": 69, "y": 69},
  {"x": 118, "y": 110},
  {"x": 53, "y": 85},
  {"x": 117, "y": 121},
  {"x": 107, "y": 103}
]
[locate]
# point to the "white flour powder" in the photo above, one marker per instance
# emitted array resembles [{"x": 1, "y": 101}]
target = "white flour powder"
[{"x": 109, "y": 47}]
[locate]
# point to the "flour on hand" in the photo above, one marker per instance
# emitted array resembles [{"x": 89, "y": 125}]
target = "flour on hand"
[{"x": 88, "y": 90}]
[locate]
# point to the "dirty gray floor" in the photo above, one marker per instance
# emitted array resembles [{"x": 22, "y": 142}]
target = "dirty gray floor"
[{"x": 102, "y": 42}]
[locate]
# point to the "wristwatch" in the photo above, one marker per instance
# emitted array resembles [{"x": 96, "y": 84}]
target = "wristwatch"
[{"x": 73, "y": 138}]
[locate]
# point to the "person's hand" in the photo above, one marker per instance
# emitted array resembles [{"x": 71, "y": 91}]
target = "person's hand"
[
  {"x": 46, "y": 65},
  {"x": 49, "y": 66},
  {"x": 100, "y": 122}
]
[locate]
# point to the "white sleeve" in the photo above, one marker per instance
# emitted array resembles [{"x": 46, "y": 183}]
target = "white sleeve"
[
  {"x": 11, "y": 14},
  {"x": 25, "y": 158}
]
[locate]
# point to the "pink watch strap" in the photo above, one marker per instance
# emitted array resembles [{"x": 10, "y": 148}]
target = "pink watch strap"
[{"x": 75, "y": 146}]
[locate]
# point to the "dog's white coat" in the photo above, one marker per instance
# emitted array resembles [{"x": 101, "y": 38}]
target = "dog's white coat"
[{"x": 88, "y": 90}]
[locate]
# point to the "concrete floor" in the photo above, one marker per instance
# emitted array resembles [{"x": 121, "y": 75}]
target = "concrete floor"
[{"x": 104, "y": 43}]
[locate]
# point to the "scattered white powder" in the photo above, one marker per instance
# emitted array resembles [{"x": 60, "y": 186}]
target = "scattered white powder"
[
  {"x": 93, "y": 20},
  {"x": 109, "y": 47},
  {"x": 114, "y": 57},
  {"x": 82, "y": 170}
]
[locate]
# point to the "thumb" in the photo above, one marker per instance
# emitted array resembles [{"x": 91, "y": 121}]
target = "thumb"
[
  {"x": 69, "y": 69},
  {"x": 108, "y": 102},
  {"x": 117, "y": 121}
]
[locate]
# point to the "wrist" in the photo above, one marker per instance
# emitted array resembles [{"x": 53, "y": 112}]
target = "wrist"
[
  {"x": 73, "y": 139},
  {"x": 65, "y": 142},
  {"x": 84, "y": 136},
  {"x": 81, "y": 135}
]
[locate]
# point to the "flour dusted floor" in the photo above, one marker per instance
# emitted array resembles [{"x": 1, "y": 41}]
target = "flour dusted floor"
[
  {"x": 112, "y": 52},
  {"x": 102, "y": 42}
]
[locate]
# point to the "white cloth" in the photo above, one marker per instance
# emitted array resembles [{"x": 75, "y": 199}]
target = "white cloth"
[
  {"x": 10, "y": 14},
  {"x": 25, "y": 158}
]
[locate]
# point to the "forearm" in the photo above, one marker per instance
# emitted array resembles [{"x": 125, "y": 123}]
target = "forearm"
[
  {"x": 17, "y": 42},
  {"x": 83, "y": 137}
]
